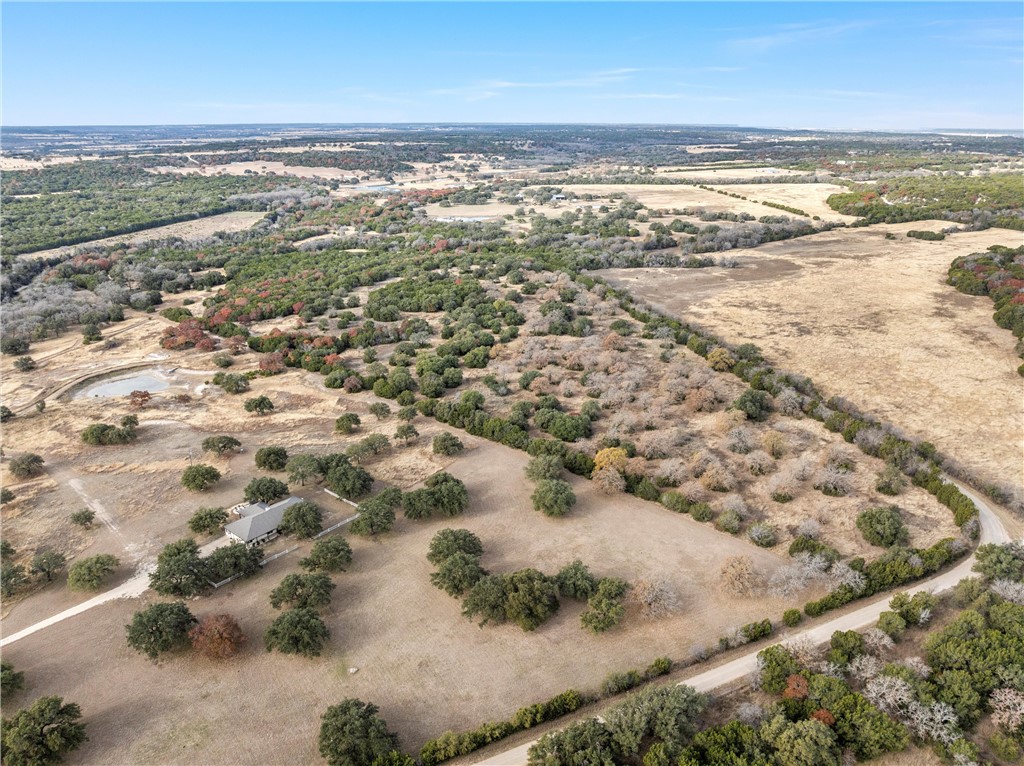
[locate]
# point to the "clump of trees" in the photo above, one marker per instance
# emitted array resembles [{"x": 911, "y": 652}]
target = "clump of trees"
[
  {"x": 442, "y": 494},
  {"x": 106, "y": 434}
]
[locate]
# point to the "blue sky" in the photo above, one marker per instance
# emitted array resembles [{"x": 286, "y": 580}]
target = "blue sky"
[{"x": 815, "y": 65}]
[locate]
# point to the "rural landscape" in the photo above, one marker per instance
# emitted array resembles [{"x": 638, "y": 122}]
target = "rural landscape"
[{"x": 522, "y": 444}]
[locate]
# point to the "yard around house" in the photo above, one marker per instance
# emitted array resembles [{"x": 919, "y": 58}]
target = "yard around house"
[{"x": 400, "y": 632}]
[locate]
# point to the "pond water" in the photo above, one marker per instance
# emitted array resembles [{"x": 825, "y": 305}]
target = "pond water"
[
  {"x": 463, "y": 218},
  {"x": 124, "y": 386}
]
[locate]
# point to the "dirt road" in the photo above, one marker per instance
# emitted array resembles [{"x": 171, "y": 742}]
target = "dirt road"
[{"x": 992, "y": 531}]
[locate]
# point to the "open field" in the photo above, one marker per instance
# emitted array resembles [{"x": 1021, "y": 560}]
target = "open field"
[
  {"x": 872, "y": 320},
  {"x": 807, "y": 197},
  {"x": 199, "y": 228},
  {"x": 660, "y": 196},
  {"x": 727, "y": 172}
]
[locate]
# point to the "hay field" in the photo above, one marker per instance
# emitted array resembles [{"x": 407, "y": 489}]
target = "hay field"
[
  {"x": 807, "y": 197},
  {"x": 681, "y": 196},
  {"x": 872, "y": 320}
]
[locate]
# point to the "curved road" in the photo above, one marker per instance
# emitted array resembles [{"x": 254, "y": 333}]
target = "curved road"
[{"x": 992, "y": 531}]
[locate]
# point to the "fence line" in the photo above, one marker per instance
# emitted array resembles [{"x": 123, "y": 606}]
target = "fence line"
[{"x": 335, "y": 526}]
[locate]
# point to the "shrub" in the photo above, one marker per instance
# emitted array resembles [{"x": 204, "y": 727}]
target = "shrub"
[
  {"x": 347, "y": 423},
  {"x": 576, "y": 582},
  {"x": 221, "y": 445},
  {"x": 89, "y": 573},
  {"x": 531, "y": 598},
  {"x": 756, "y": 405},
  {"x": 762, "y": 534},
  {"x": 271, "y": 458},
  {"x": 883, "y": 526},
  {"x": 755, "y": 631},
  {"x": 26, "y": 466},
  {"x": 617, "y": 683},
  {"x": 457, "y": 573},
  {"x": 448, "y": 542},
  {"x": 447, "y": 444},
  {"x": 302, "y": 591},
  {"x": 544, "y": 467},
  {"x": 604, "y": 608},
  {"x": 83, "y": 518},
  {"x": 792, "y": 617},
  {"x": 199, "y": 477},
  {"x": 553, "y": 497},
  {"x": 217, "y": 636}
]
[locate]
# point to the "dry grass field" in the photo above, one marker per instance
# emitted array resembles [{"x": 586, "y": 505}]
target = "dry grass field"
[
  {"x": 872, "y": 320},
  {"x": 807, "y": 197},
  {"x": 200, "y": 228}
]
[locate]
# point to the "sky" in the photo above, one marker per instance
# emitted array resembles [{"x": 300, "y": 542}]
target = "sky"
[{"x": 791, "y": 65}]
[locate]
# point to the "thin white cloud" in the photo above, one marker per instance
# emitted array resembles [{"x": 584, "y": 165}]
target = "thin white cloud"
[
  {"x": 485, "y": 89},
  {"x": 793, "y": 34}
]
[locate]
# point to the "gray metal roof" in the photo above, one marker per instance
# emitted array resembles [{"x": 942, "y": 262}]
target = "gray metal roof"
[{"x": 260, "y": 522}]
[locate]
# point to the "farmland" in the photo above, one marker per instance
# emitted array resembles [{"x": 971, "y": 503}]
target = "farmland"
[{"x": 727, "y": 397}]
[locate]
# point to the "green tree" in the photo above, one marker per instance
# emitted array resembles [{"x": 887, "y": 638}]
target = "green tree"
[
  {"x": 553, "y": 497},
  {"x": 584, "y": 743},
  {"x": 448, "y": 542},
  {"x": 179, "y": 570},
  {"x": 303, "y": 591},
  {"x": 380, "y": 410},
  {"x": 804, "y": 743},
  {"x": 231, "y": 560},
  {"x": 264, "y": 489},
  {"x": 207, "y": 521},
  {"x": 83, "y": 518},
  {"x": 221, "y": 445},
  {"x": 303, "y": 519},
  {"x": 349, "y": 480},
  {"x": 374, "y": 519},
  {"x": 271, "y": 458},
  {"x": 329, "y": 554},
  {"x": 447, "y": 444},
  {"x": 1000, "y": 562},
  {"x": 12, "y": 577},
  {"x": 41, "y": 735},
  {"x": 458, "y": 573},
  {"x": 26, "y": 466},
  {"x": 883, "y": 526},
  {"x": 531, "y": 598},
  {"x": 756, "y": 405},
  {"x": 48, "y": 563},
  {"x": 6, "y": 496},
  {"x": 303, "y": 467},
  {"x": 544, "y": 467},
  {"x": 406, "y": 432},
  {"x": 261, "y": 405},
  {"x": 576, "y": 582},
  {"x": 160, "y": 628},
  {"x": 668, "y": 713},
  {"x": 297, "y": 631},
  {"x": 89, "y": 573},
  {"x": 346, "y": 423},
  {"x": 604, "y": 608},
  {"x": 448, "y": 494},
  {"x": 487, "y": 600},
  {"x": 199, "y": 477},
  {"x": 11, "y": 681},
  {"x": 866, "y": 729},
  {"x": 353, "y": 734}
]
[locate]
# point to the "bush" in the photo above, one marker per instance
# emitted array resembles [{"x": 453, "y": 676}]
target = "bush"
[
  {"x": 762, "y": 534},
  {"x": 89, "y": 573},
  {"x": 449, "y": 542},
  {"x": 457, "y": 573},
  {"x": 553, "y": 497},
  {"x": 757, "y": 630},
  {"x": 544, "y": 467},
  {"x": 26, "y": 466},
  {"x": 756, "y": 405},
  {"x": 792, "y": 617},
  {"x": 271, "y": 458},
  {"x": 531, "y": 598},
  {"x": 346, "y": 423},
  {"x": 604, "y": 608},
  {"x": 447, "y": 444},
  {"x": 199, "y": 477},
  {"x": 883, "y": 526},
  {"x": 892, "y": 625},
  {"x": 575, "y": 581},
  {"x": 617, "y": 683}
]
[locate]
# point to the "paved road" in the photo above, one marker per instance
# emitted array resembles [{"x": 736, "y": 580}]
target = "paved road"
[
  {"x": 992, "y": 531},
  {"x": 134, "y": 586}
]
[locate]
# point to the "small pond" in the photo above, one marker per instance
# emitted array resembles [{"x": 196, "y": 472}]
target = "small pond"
[{"x": 124, "y": 386}]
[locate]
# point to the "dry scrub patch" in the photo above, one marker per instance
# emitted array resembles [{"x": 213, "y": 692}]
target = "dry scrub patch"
[{"x": 872, "y": 320}]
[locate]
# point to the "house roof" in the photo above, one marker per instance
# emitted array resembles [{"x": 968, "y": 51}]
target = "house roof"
[{"x": 260, "y": 522}]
